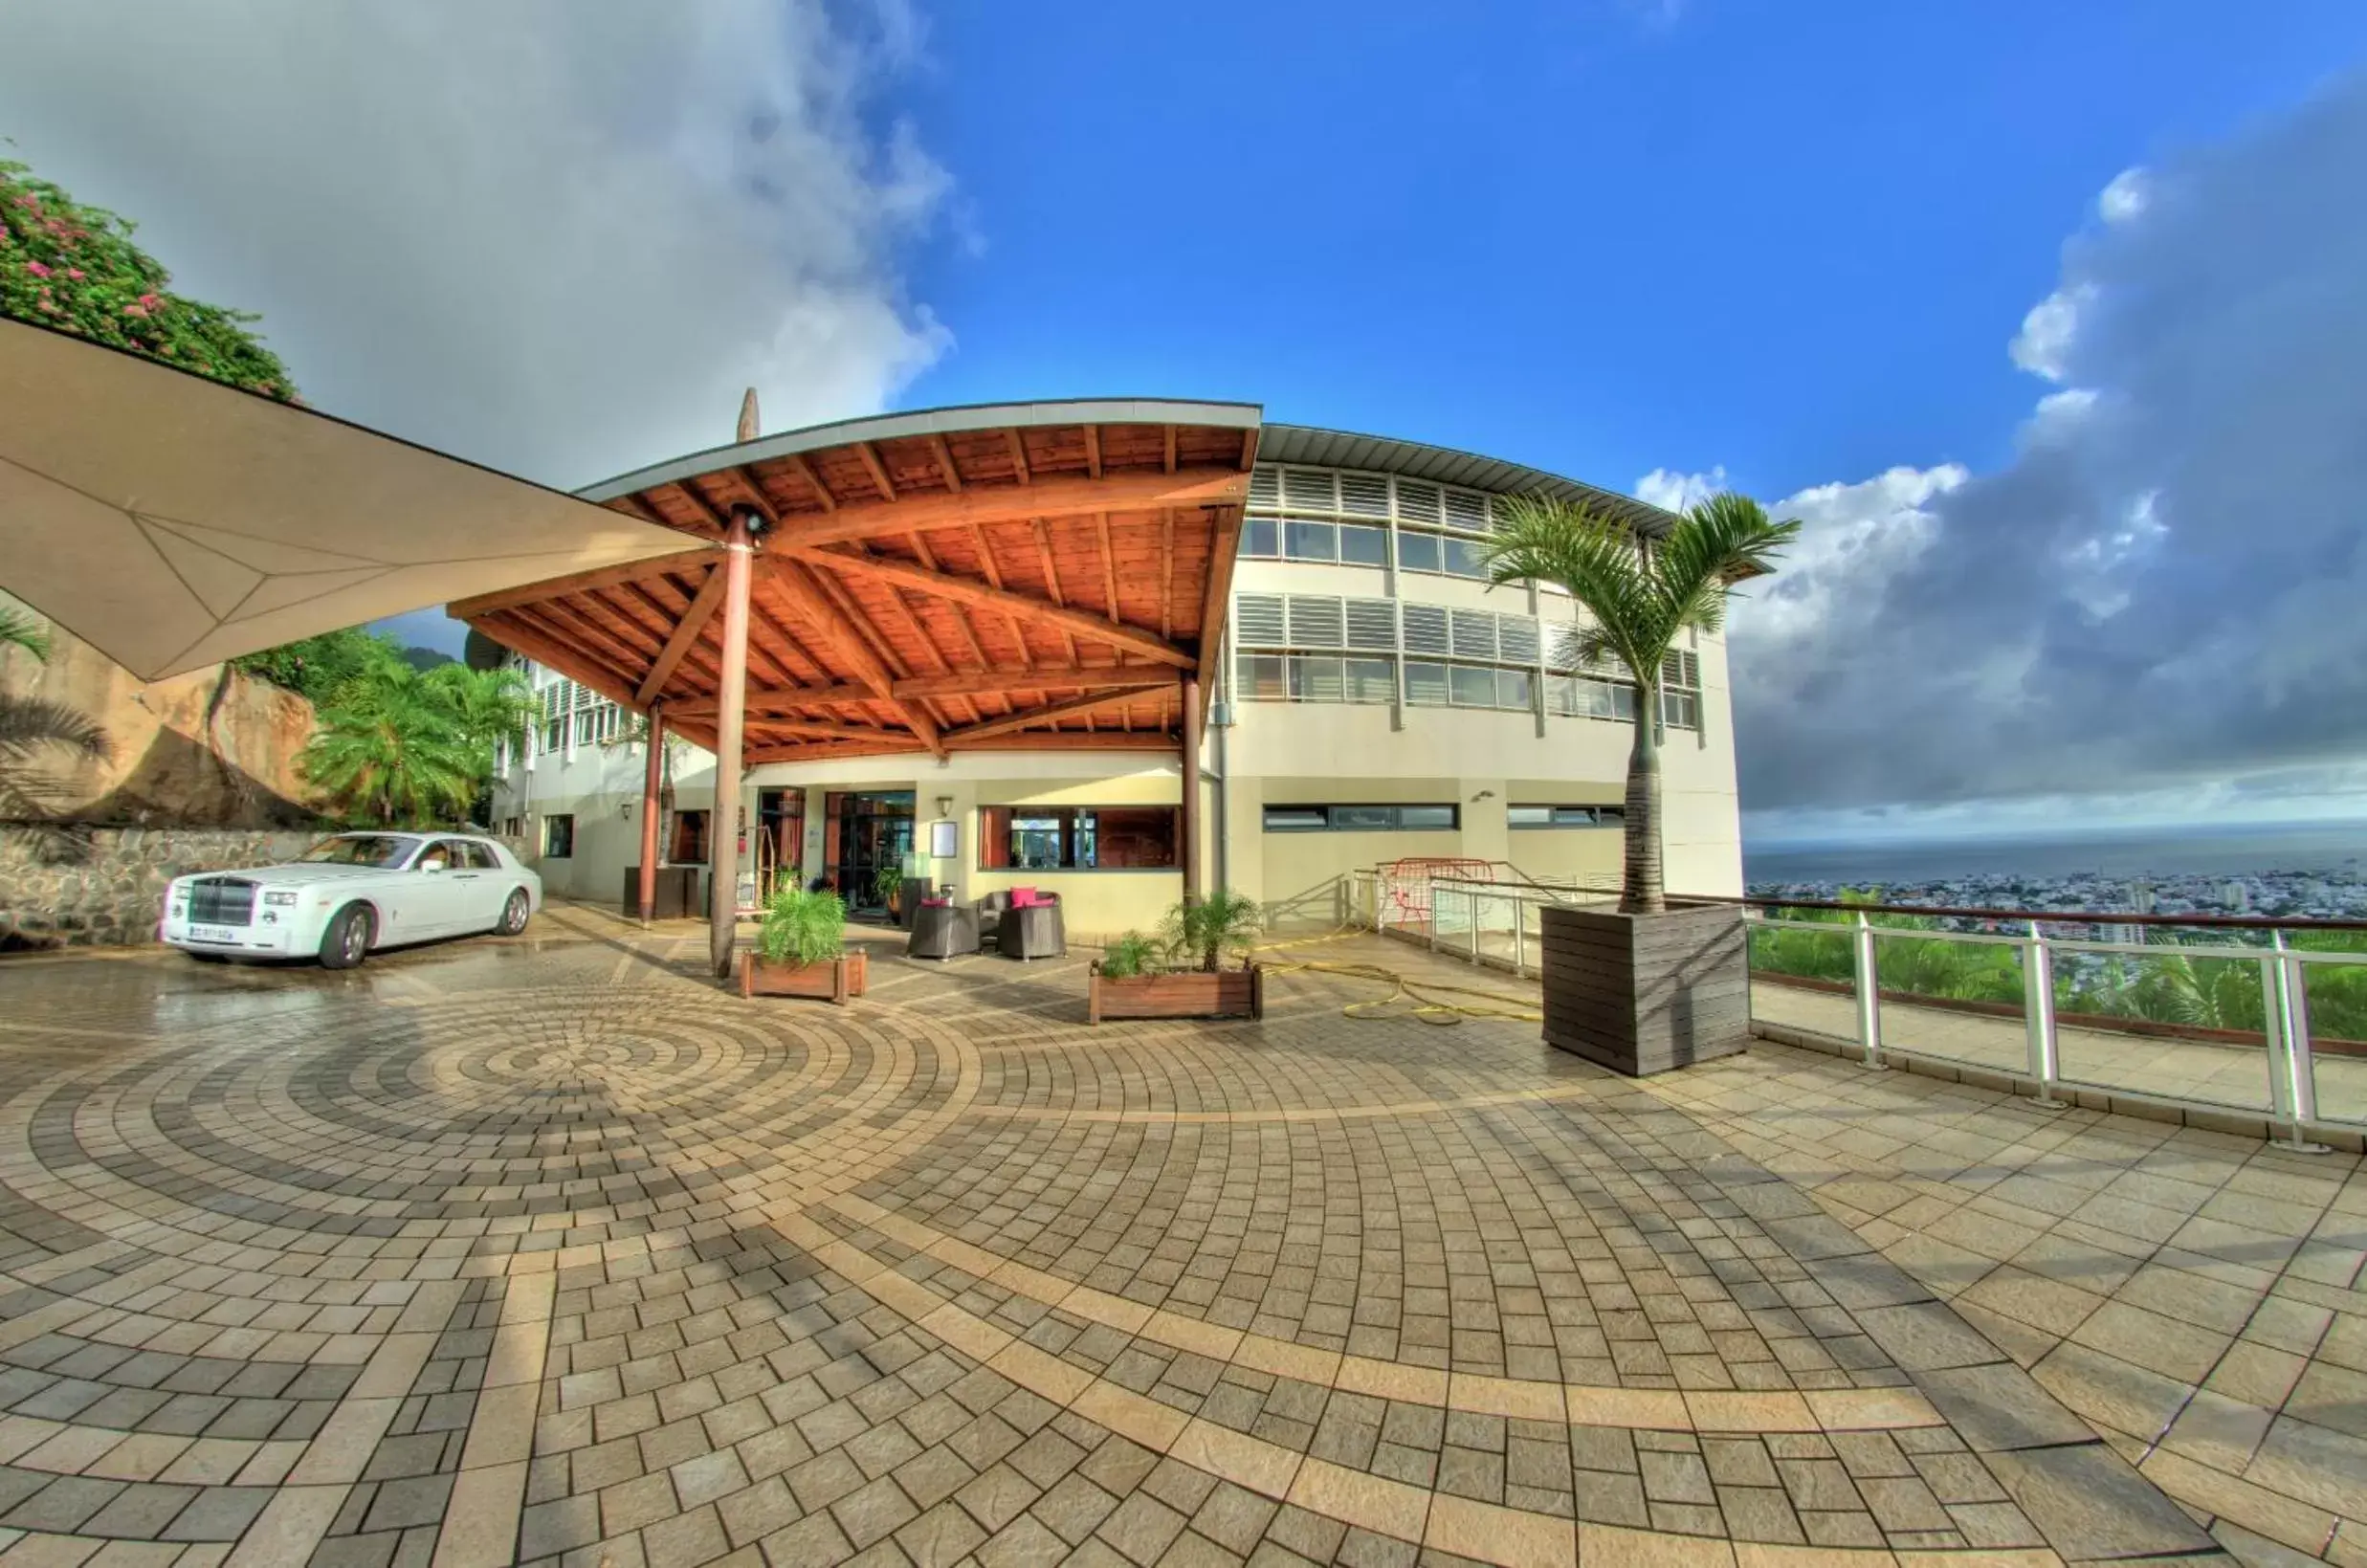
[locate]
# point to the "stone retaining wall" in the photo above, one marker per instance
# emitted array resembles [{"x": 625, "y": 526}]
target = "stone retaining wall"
[{"x": 112, "y": 889}]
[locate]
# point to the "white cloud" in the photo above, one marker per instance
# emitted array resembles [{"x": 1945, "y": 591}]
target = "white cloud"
[
  {"x": 1853, "y": 538},
  {"x": 2044, "y": 345},
  {"x": 2058, "y": 415},
  {"x": 2126, "y": 197},
  {"x": 558, "y": 236},
  {"x": 1676, "y": 492}
]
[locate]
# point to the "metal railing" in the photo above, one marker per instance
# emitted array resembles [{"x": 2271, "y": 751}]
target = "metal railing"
[{"x": 2278, "y": 1072}]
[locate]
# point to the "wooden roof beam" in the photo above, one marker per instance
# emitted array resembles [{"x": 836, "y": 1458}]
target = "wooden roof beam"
[
  {"x": 944, "y": 461},
  {"x": 806, "y": 472},
  {"x": 686, "y": 632},
  {"x": 1059, "y": 498},
  {"x": 1075, "y": 740},
  {"x": 1019, "y": 455},
  {"x": 879, "y": 470},
  {"x": 1026, "y": 717},
  {"x": 1213, "y": 606},
  {"x": 1093, "y": 450},
  {"x": 824, "y": 729},
  {"x": 689, "y": 561},
  {"x": 967, "y": 590},
  {"x": 1136, "y": 677},
  {"x": 513, "y": 629},
  {"x": 823, "y": 751},
  {"x": 825, "y": 616}
]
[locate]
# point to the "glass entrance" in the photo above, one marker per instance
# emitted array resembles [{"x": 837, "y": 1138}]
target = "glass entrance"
[{"x": 874, "y": 832}]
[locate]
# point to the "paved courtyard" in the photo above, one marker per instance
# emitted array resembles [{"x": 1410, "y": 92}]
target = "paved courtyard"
[{"x": 549, "y": 1251}]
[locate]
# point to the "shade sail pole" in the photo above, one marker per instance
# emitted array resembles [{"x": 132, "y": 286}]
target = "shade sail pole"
[
  {"x": 651, "y": 775},
  {"x": 1191, "y": 790},
  {"x": 730, "y": 714}
]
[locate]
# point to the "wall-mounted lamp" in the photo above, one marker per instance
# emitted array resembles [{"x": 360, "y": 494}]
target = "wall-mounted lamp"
[
  {"x": 945, "y": 806},
  {"x": 625, "y": 810},
  {"x": 1485, "y": 795}
]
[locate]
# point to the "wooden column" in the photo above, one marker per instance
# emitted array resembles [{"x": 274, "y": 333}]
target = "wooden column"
[
  {"x": 1191, "y": 790},
  {"x": 652, "y": 774},
  {"x": 730, "y": 711}
]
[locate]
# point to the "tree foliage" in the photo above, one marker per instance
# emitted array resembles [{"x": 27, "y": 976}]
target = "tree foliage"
[
  {"x": 31, "y": 729},
  {"x": 319, "y": 668},
  {"x": 74, "y": 269},
  {"x": 398, "y": 747},
  {"x": 1640, "y": 597}
]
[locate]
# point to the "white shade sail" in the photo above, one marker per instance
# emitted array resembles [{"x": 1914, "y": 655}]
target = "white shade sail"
[{"x": 174, "y": 522}]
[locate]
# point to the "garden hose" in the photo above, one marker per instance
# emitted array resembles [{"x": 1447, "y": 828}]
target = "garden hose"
[{"x": 1422, "y": 999}]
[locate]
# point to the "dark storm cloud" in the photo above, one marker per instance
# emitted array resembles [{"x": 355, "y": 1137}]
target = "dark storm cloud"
[{"x": 2169, "y": 584}]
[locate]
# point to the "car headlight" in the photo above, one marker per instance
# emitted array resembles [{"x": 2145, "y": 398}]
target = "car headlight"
[
  {"x": 179, "y": 908},
  {"x": 282, "y": 896}
]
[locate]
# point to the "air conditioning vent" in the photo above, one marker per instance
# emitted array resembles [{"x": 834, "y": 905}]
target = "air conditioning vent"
[
  {"x": 1364, "y": 495},
  {"x": 1314, "y": 621},
  {"x": 1309, "y": 490},
  {"x": 1474, "y": 634},
  {"x": 1372, "y": 623},
  {"x": 1426, "y": 628},
  {"x": 1257, "y": 621}
]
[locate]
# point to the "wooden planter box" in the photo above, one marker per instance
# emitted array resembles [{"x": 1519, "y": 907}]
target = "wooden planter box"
[
  {"x": 1228, "y": 993},
  {"x": 1642, "y": 994},
  {"x": 835, "y": 981}
]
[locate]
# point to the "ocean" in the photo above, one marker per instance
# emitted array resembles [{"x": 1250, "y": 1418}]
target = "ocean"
[{"x": 2317, "y": 848}]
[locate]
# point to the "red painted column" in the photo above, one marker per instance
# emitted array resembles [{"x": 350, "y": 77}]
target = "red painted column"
[
  {"x": 730, "y": 715},
  {"x": 1192, "y": 831},
  {"x": 651, "y": 776}
]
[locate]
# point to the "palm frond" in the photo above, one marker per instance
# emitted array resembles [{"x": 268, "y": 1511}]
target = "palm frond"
[
  {"x": 32, "y": 724},
  {"x": 20, "y": 629}
]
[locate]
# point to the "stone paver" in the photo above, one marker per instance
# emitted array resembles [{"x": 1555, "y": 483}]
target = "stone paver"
[{"x": 549, "y": 1251}]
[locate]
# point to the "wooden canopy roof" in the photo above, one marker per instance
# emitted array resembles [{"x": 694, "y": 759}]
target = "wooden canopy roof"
[{"x": 1013, "y": 578}]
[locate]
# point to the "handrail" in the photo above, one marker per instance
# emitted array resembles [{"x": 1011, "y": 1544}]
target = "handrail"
[{"x": 2045, "y": 917}]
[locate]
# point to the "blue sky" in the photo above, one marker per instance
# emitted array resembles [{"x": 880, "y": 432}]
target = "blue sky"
[{"x": 2044, "y": 316}]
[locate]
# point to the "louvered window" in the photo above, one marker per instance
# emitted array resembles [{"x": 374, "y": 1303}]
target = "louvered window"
[
  {"x": 1516, "y": 638},
  {"x": 1372, "y": 623},
  {"x": 1315, "y": 622},
  {"x": 1308, "y": 489},
  {"x": 1417, "y": 502},
  {"x": 1364, "y": 495},
  {"x": 1426, "y": 628},
  {"x": 1474, "y": 634},
  {"x": 1266, "y": 486},
  {"x": 1466, "y": 509},
  {"x": 1257, "y": 621}
]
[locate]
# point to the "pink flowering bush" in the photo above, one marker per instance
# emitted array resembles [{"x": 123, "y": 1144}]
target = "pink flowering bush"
[{"x": 74, "y": 269}]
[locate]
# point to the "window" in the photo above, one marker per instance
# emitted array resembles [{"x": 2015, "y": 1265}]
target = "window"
[
  {"x": 1303, "y": 541},
  {"x": 1470, "y": 686},
  {"x": 690, "y": 839},
  {"x": 1261, "y": 678},
  {"x": 1077, "y": 837},
  {"x": 1580, "y": 696},
  {"x": 1563, "y": 816},
  {"x": 1680, "y": 690},
  {"x": 559, "y": 837},
  {"x": 1261, "y": 537},
  {"x": 1463, "y": 559},
  {"x": 1361, "y": 546},
  {"x": 479, "y": 858},
  {"x": 1419, "y": 552},
  {"x": 1361, "y": 819},
  {"x": 1372, "y": 680}
]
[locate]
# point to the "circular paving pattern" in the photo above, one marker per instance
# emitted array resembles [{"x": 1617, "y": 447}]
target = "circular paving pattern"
[{"x": 552, "y": 1249}]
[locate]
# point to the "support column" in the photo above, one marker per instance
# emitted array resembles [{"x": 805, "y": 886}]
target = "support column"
[
  {"x": 652, "y": 774},
  {"x": 1191, "y": 790},
  {"x": 730, "y": 712}
]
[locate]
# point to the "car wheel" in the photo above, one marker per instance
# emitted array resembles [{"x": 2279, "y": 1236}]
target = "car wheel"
[
  {"x": 514, "y": 913},
  {"x": 348, "y": 940}
]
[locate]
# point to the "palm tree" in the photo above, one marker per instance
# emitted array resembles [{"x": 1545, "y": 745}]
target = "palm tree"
[
  {"x": 392, "y": 751},
  {"x": 1641, "y": 593},
  {"x": 29, "y": 728}
]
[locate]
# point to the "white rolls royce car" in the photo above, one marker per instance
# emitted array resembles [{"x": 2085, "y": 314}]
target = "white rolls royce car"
[{"x": 350, "y": 895}]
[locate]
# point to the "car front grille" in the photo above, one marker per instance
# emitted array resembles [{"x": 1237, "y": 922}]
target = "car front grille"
[{"x": 221, "y": 900}]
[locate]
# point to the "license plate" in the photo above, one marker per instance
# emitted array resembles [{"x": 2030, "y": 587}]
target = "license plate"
[{"x": 216, "y": 934}]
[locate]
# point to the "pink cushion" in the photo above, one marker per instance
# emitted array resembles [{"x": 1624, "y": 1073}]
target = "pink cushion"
[
  {"x": 1022, "y": 897},
  {"x": 934, "y": 903}
]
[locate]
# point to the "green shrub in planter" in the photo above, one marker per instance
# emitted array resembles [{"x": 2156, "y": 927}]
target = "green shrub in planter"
[
  {"x": 801, "y": 927},
  {"x": 1132, "y": 954},
  {"x": 1201, "y": 934}
]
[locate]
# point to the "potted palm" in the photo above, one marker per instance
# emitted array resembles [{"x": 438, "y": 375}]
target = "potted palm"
[
  {"x": 801, "y": 949},
  {"x": 1646, "y": 987},
  {"x": 1180, "y": 973}
]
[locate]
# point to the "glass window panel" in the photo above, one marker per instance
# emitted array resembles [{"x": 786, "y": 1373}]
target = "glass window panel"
[
  {"x": 1361, "y": 546},
  {"x": 1310, "y": 540},
  {"x": 1296, "y": 819},
  {"x": 1511, "y": 688},
  {"x": 1314, "y": 678},
  {"x": 1463, "y": 558},
  {"x": 1425, "y": 816},
  {"x": 1132, "y": 838},
  {"x": 1035, "y": 840},
  {"x": 1261, "y": 678},
  {"x": 1261, "y": 537},
  {"x": 1372, "y": 680},
  {"x": 1418, "y": 552},
  {"x": 1474, "y": 686},
  {"x": 1574, "y": 816},
  {"x": 1528, "y": 816},
  {"x": 1363, "y": 818},
  {"x": 1425, "y": 684}
]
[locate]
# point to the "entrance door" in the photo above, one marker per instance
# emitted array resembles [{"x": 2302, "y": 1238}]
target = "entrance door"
[
  {"x": 781, "y": 846},
  {"x": 874, "y": 832}
]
